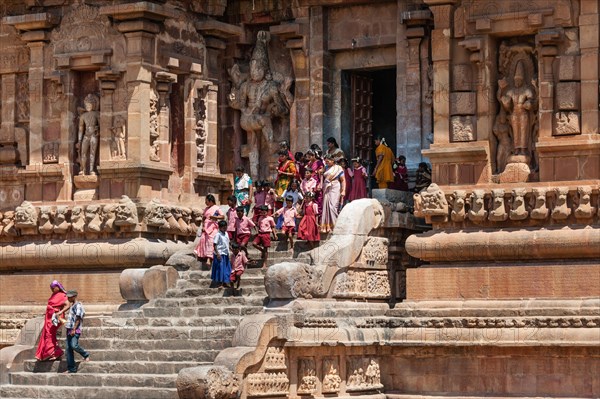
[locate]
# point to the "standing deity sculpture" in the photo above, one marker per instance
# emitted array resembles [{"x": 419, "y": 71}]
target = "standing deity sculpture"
[
  {"x": 260, "y": 98},
  {"x": 89, "y": 128},
  {"x": 515, "y": 127},
  {"x": 119, "y": 133}
]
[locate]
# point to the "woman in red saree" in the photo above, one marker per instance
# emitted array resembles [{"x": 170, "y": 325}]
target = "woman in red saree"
[
  {"x": 211, "y": 216},
  {"x": 58, "y": 304}
]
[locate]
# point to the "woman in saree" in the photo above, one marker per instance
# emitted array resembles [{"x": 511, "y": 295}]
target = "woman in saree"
[
  {"x": 383, "y": 172},
  {"x": 334, "y": 185},
  {"x": 58, "y": 304},
  {"x": 210, "y": 219},
  {"x": 286, "y": 172}
]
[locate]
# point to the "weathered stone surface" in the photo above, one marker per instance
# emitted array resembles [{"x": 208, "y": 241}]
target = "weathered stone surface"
[{"x": 184, "y": 259}]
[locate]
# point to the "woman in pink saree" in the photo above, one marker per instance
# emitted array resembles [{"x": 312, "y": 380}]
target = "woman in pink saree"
[
  {"x": 211, "y": 216},
  {"x": 334, "y": 186},
  {"x": 58, "y": 304}
]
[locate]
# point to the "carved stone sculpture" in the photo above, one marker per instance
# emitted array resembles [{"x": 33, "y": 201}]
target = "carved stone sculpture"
[
  {"x": 200, "y": 128},
  {"x": 477, "y": 213},
  {"x": 119, "y": 136},
  {"x": 196, "y": 220},
  {"x": 92, "y": 217},
  {"x": 260, "y": 98},
  {"x": 331, "y": 379},
  {"x": 89, "y": 129},
  {"x": 307, "y": 376},
  {"x": 561, "y": 210},
  {"x": 498, "y": 211},
  {"x": 8, "y": 223},
  {"x": 540, "y": 210},
  {"x": 109, "y": 217},
  {"x": 154, "y": 134},
  {"x": 155, "y": 214},
  {"x": 458, "y": 206},
  {"x": 363, "y": 375},
  {"x": 275, "y": 358},
  {"x": 518, "y": 210},
  {"x": 77, "y": 219},
  {"x": 61, "y": 225},
  {"x": 26, "y": 215},
  {"x": 431, "y": 202},
  {"x": 126, "y": 212},
  {"x": 504, "y": 147},
  {"x": 585, "y": 209},
  {"x": 518, "y": 98},
  {"x": 263, "y": 384},
  {"x": 45, "y": 224}
]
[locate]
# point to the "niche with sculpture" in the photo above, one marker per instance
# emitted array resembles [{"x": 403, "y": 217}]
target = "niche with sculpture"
[
  {"x": 263, "y": 96},
  {"x": 516, "y": 124},
  {"x": 88, "y": 134}
]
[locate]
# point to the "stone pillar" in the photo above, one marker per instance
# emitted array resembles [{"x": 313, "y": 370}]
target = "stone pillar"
[
  {"x": 441, "y": 54},
  {"x": 8, "y": 149},
  {"x": 108, "y": 84},
  {"x": 164, "y": 80},
  {"x": 36, "y": 97},
  {"x": 320, "y": 86},
  {"x": 589, "y": 22},
  {"x": 546, "y": 40},
  {"x": 211, "y": 163}
]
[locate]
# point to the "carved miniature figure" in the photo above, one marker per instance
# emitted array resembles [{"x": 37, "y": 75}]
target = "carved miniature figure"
[
  {"x": 61, "y": 226},
  {"x": 260, "y": 98},
  {"x": 126, "y": 212},
  {"x": 498, "y": 211},
  {"x": 155, "y": 214},
  {"x": 518, "y": 210},
  {"x": 502, "y": 132},
  {"x": 458, "y": 206},
  {"x": 119, "y": 134},
  {"x": 77, "y": 219},
  {"x": 89, "y": 128},
  {"x": 585, "y": 209},
  {"x": 92, "y": 217},
  {"x": 196, "y": 220},
  {"x": 26, "y": 215},
  {"x": 46, "y": 226},
  {"x": 561, "y": 210},
  {"x": 331, "y": 380},
  {"x": 540, "y": 210},
  {"x": 109, "y": 215},
  {"x": 477, "y": 213},
  {"x": 154, "y": 133},
  {"x": 8, "y": 222}
]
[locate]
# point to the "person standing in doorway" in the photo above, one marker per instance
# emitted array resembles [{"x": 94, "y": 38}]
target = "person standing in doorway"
[
  {"x": 74, "y": 327},
  {"x": 383, "y": 172}
]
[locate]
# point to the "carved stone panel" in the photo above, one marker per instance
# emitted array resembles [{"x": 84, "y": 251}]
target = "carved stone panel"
[
  {"x": 463, "y": 128},
  {"x": 201, "y": 127},
  {"x": 307, "y": 376},
  {"x": 375, "y": 252},
  {"x": 275, "y": 359},
  {"x": 362, "y": 284},
  {"x": 362, "y": 374},
  {"x": 566, "y": 123},
  {"x": 331, "y": 375},
  {"x": 267, "y": 384},
  {"x": 50, "y": 152},
  {"x": 22, "y": 97}
]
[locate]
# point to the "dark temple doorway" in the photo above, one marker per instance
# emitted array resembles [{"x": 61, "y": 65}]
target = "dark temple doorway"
[{"x": 368, "y": 110}]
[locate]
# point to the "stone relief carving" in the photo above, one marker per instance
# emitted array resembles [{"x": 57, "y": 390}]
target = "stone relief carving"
[
  {"x": 155, "y": 214},
  {"x": 517, "y": 95},
  {"x": 8, "y": 223},
  {"x": 89, "y": 129},
  {"x": 431, "y": 202},
  {"x": 77, "y": 219},
  {"x": 154, "y": 133},
  {"x": 307, "y": 376},
  {"x": 518, "y": 210},
  {"x": 22, "y": 97},
  {"x": 126, "y": 212},
  {"x": 118, "y": 138},
  {"x": 82, "y": 29},
  {"x": 275, "y": 359},
  {"x": 482, "y": 322},
  {"x": 540, "y": 210},
  {"x": 50, "y": 152},
  {"x": 92, "y": 217},
  {"x": 45, "y": 223},
  {"x": 26, "y": 215},
  {"x": 462, "y": 128},
  {"x": 498, "y": 212},
  {"x": 61, "y": 225},
  {"x": 477, "y": 213},
  {"x": 331, "y": 376},
  {"x": 362, "y": 284},
  {"x": 458, "y": 206},
  {"x": 196, "y": 220},
  {"x": 265, "y": 384},
  {"x": 585, "y": 209},
  {"x": 567, "y": 123},
  {"x": 201, "y": 127},
  {"x": 561, "y": 210},
  {"x": 504, "y": 147},
  {"x": 363, "y": 374},
  {"x": 375, "y": 251},
  {"x": 221, "y": 383},
  {"x": 261, "y": 97},
  {"x": 109, "y": 216}
]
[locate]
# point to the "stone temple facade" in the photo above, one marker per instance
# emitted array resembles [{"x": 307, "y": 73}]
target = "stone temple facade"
[{"x": 118, "y": 117}]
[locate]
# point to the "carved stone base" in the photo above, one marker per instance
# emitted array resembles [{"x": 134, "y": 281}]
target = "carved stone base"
[
  {"x": 85, "y": 194},
  {"x": 515, "y": 173},
  {"x": 87, "y": 187}
]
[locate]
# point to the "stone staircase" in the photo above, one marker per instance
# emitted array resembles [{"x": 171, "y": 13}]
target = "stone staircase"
[{"x": 138, "y": 353}]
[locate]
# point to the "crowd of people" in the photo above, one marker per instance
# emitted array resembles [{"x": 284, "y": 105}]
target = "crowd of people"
[{"x": 304, "y": 200}]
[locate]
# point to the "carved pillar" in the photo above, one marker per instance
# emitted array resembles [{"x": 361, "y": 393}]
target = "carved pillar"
[
  {"x": 589, "y": 44},
  {"x": 211, "y": 157},
  {"x": 409, "y": 85},
  {"x": 36, "y": 99},
  {"x": 546, "y": 40},
  {"x": 108, "y": 84},
  {"x": 441, "y": 54},
  {"x": 164, "y": 80},
  {"x": 8, "y": 149},
  {"x": 320, "y": 86}
]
